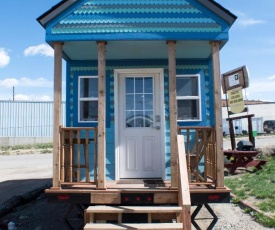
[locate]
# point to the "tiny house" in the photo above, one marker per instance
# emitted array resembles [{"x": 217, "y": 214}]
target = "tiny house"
[{"x": 143, "y": 109}]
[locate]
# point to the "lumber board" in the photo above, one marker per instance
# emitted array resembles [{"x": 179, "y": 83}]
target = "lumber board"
[
  {"x": 164, "y": 198},
  {"x": 173, "y": 112},
  {"x": 132, "y": 209},
  {"x": 57, "y": 111},
  {"x": 101, "y": 115},
  {"x": 155, "y": 226},
  {"x": 215, "y": 46},
  {"x": 105, "y": 198}
]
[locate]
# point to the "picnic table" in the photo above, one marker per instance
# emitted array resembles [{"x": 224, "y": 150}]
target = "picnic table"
[{"x": 245, "y": 159}]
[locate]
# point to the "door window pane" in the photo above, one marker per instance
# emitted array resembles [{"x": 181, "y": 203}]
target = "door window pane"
[
  {"x": 148, "y": 101},
  {"x": 129, "y": 85},
  {"x": 130, "y": 122},
  {"x": 148, "y": 85},
  {"x": 130, "y": 98},
  {"x": 148, "y": 118},
  {"x": 138, "y": 85},
  {"x": 139, "y": 101}
]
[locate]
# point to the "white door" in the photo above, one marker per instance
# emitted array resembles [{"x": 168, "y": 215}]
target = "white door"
[{"x": 139, "y": 116}]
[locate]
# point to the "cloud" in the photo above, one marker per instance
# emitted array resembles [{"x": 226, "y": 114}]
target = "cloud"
[
  {"x": 262, "y": 86},
  {"x": 26, "y": 82},
  {"x": 245, "y": 21},
  {"x": 42, "y": 49},
  {"x": 250, "y": 22},
  {"x": 24, "y": 97},
  {"x": 4, "y": 58},
  {"x": 272, "y": 77}
]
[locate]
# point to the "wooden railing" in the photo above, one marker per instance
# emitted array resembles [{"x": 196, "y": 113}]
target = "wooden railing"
[
  {"x": 77, "y": 145},
  {"x": 183, "y": 192},
  {"x": 200, "y": 148}
]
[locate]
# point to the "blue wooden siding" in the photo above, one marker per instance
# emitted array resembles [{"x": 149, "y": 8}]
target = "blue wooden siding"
[
  {"x": 142, "y": 20},
  {"x": 85, "y": 68}
]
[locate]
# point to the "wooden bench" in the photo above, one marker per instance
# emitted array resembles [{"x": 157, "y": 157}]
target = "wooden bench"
[
  {"x": 109, "y": 211},
  {"x": 158, "y": 226}
]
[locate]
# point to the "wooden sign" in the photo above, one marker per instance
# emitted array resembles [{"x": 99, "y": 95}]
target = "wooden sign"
[
  {"x": 235, "y": 78},
  {"x": 235, "y": 100}
]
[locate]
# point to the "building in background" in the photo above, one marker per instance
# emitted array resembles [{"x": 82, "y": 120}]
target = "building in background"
[
  {"x": 26, "y": 122},
  {"x": 262, "y": 111}
]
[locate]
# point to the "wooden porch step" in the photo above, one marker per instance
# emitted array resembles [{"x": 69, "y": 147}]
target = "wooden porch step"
[
  {"x": 155, "y": 226},
  {"x": 102, "y": 212},
  {"x": 133, "y": 209}
]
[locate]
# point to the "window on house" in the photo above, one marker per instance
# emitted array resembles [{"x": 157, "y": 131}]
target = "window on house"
[
  {"x": 188, "y": 97},
  {"x": 88, "y": 98}
]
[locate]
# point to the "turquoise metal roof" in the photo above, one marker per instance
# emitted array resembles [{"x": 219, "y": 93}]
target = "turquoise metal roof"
[{"x": 137, "y": 20}]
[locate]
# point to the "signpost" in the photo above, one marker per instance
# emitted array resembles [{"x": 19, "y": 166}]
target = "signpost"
[{"x": 233, "y": 82}]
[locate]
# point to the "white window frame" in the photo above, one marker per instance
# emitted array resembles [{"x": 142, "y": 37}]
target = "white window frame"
[
  {"x": 198, "y": 97},
  {"x": 85, "y": 99}
]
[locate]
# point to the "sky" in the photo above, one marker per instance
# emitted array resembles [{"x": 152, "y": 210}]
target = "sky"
[{"x": 26, "y": 61}]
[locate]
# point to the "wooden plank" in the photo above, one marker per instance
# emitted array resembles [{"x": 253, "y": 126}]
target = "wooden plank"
[
  {"x": 173, "y": 112},
  {"x": 78, "y": 155},
  {"x": 105, "y": 198},
  {"x": 86, "y": 155},
  {"x": 62, "y": 143},
  {"x": 166, "y": 198},
  {"x": 57, "y": 112},
  {"x": 215, "y": 46},
  {"x": 132, "y": 209},
  {"x": 71, "y": 156},
  {"x": 155, "y": 226},
  {"x": 101, "y": 116},
  {"x": 184, "y": 192},
  {"x": 95, "y": 156}
]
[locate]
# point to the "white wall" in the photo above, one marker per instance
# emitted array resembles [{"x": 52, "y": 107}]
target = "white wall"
[{"x": 261, "y": 113}]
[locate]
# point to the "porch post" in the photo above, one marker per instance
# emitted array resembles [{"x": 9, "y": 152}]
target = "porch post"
[
  {"x": 57, "y": 112},
  {"x": 218, "y": 113},
  {"x": 101, "y": 115},
  {"x": 173, "y": 112}
]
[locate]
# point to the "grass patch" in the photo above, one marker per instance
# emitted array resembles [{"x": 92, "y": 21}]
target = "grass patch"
[
  {"x": 259, "y": 185},
  {"x": 45, "y": 151},
  {"x": 5, "y": 153},
  {"x": 44, "y": 147},
  {"x": 265, "y": 220}
]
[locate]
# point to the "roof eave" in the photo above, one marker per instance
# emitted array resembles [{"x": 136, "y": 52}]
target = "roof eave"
[
  {"x": 54, "y": 11},
  {"x": 219, "y": 10}
]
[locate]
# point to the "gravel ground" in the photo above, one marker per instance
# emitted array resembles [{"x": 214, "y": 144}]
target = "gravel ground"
[{"x": 39, "y": 215}]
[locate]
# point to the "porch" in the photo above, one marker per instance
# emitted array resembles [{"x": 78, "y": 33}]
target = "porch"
[
  {"x": 196, "y": 181},
  {"x": 79, "y": 158}
]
